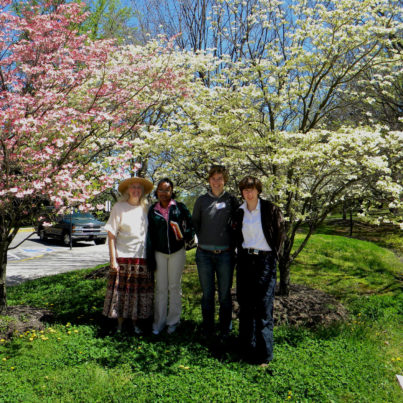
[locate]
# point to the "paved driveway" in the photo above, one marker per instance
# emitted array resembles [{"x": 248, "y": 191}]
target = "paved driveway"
[{"x": 34, "y": 258}]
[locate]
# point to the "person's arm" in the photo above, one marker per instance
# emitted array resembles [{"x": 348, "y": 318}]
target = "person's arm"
[
  {"x": 196, "y": 216},
  {"x": 150, "y": 252},
  {"x": 187, "y": 223},
  {"x": 112, "y": 252}
]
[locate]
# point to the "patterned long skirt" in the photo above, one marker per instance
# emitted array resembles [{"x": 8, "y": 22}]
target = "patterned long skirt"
[{"x": 130, "y": 290}]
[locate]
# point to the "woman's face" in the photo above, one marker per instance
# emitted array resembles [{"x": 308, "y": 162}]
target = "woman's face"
[
  {"x": 135, "y": 191},
  {"x": 217, "y": 183},
  {"x": 250, "y": 194},
  {"x": 164, "y": 193}
]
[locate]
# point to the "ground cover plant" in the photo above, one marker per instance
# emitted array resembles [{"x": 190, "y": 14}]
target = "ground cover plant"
[{"x": 77, "y": 357}]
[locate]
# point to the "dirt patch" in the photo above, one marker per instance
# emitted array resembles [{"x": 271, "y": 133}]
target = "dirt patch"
[
  {"x": 304, "y": 306},
  {"x": 21, "y": 318},
  {"x": 309, "y": 307},
  {"x": 102, "y": 272}
]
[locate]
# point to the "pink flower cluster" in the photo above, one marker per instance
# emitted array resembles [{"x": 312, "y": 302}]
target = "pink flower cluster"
[{"x": 67, "y": 112}]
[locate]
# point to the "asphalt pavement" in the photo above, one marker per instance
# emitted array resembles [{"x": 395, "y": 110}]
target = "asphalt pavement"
[{"x": 34, "y": 258}]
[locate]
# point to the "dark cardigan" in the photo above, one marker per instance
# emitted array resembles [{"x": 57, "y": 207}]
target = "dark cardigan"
[{"x": 272, "y": 225}]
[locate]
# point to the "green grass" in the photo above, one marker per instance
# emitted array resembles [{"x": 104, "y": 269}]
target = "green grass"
[
  {"x": 78, "y": 358},
  {"x": 386, "y": 235},
  {"x": 346, "y": 267}
]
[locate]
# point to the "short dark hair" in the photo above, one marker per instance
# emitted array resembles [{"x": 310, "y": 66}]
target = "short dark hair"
[
  {"x": 250, "y": 182},
  {"x": 165, "y": 180},
  {"x": 218, "y": 169}
]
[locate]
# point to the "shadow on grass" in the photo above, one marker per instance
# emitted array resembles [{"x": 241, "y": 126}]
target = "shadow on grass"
[{"x": 77, "y": 298}]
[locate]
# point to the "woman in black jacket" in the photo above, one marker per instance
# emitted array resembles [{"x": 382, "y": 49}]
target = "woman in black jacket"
[
  {"x": 169, "y": 228},
  {"x": 259, "y": 235}
]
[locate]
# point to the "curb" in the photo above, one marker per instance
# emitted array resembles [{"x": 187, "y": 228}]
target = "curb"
[{"x": 27, "y": 229}]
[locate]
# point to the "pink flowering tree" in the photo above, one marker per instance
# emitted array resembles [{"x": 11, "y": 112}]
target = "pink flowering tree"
[{"x": 70, "y": 109}]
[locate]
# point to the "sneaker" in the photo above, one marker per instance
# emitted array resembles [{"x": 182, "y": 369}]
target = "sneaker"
[
  {"x": 137, "y": 330},
  {"x": 171, "y": 328}
]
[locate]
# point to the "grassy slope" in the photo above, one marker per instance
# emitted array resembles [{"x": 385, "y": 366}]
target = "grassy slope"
[{"x": 75, "y": 360}]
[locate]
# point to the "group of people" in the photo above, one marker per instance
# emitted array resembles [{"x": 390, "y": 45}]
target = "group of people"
[{"x": 147, "y": 248}]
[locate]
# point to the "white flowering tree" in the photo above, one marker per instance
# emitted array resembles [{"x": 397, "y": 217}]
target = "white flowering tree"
[
  {"x": 262, "y": 112},
  {"x": 307, "y": 174},
  {"x": 70, "y": 109}
]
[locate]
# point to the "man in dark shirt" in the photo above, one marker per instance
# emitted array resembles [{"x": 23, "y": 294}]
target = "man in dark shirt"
[{"x": 215, "y": 256}]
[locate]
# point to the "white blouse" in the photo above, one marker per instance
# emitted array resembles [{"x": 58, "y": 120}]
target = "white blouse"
[
  {"x": 252, "y": 230},
  {"x": 129, "y": 225}
]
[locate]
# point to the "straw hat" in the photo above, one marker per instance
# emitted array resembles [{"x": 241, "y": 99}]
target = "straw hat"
[{"x": 147, "y": 185}]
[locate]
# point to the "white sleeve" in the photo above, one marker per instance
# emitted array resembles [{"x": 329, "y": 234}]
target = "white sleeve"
[{"x": 113, "y": 222}]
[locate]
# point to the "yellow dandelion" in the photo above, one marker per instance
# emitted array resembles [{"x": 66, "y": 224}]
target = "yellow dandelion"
[
  {"x": 12, "y": 368},
  {"x": 58, "y": 338},
  {"x": 76, "y": 331},
  {"x": 31, "y": 339},
  {"x": 4, "y": 359},
  {"x": 69, "y": 332},
  {"x": 2, "y": 341}
]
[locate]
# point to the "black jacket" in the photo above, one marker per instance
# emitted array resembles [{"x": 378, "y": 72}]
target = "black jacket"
[
  {"x": 272, "y": 225},
  {"x": 161, "y": 235}
]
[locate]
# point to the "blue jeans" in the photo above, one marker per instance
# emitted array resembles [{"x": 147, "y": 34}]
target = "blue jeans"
[
  {"x": 210, "y": 264},
  {"x": 256, "y": 282}
]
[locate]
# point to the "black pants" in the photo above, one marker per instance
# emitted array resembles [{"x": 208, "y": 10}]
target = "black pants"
[{"x": 256, "y": 282}]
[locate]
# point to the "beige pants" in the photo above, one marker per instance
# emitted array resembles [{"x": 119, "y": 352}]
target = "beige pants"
[{"x": 168, "y": 290}]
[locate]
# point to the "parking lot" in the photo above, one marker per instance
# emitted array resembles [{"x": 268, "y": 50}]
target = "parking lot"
[{"x": 35, "y": 258}]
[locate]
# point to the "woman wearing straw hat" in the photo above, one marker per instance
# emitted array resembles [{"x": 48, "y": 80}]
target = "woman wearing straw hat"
[{"x": 130, "y": 283}]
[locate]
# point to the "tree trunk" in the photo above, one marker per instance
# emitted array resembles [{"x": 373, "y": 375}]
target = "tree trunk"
[
  {"x": 3, "y": 264},
  {"x": 351, "y": 223},
  {"x": 284, "y": 268}
]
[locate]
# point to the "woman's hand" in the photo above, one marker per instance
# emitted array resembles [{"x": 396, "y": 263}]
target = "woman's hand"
[{"x": 113, "y": 266}]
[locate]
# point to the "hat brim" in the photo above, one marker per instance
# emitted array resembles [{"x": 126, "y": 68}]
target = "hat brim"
[{"x": 147, "y": 185}]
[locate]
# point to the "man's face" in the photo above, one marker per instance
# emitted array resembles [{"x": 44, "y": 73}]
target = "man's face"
[{"x": 217, "y": 183}]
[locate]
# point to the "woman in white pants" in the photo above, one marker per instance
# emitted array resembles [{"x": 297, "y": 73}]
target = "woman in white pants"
[{"x": 169, "y": 229}]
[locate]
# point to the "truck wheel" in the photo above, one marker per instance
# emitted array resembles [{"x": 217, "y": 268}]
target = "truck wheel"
[{"x": 100, "y": 241}]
